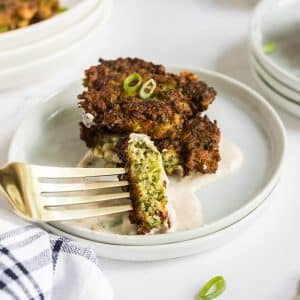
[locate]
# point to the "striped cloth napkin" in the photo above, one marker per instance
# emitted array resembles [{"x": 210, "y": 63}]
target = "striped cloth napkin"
[{"x": 37, "y": 265}]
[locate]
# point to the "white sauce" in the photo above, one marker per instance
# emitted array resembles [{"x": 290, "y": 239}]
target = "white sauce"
[{"x": 181, "y": 193}]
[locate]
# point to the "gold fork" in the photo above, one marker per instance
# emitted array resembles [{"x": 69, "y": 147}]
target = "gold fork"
[{"x": 41, "y": 193}]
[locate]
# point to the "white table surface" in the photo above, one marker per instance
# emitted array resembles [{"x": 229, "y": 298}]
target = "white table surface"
[{"x": 263, "y": 262}]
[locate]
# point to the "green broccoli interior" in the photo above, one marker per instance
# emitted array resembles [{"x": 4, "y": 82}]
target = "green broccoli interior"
[
  {"x": 148, "y": 177},
  {"x": 172, "y": 162},
  {"x": 106, "y": 149}
]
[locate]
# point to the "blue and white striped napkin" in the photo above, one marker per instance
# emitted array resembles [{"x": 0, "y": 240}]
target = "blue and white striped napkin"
[{"x": 37, "y": 265}]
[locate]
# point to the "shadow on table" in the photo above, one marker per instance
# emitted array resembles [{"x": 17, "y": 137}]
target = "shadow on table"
[
  {"x": 4, "y": 147},
  {"x": 290, "y": 121},
  {"x": 237, "y": 4}
]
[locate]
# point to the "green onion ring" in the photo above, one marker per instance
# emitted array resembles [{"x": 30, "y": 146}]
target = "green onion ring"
[
  {"x": 147, "y": 89},
  {"x": 217, "y": 283},
  {"x": 132, "y": 83}
]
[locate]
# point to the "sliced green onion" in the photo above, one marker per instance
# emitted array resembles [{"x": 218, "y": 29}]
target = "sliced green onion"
[
  {"x": 147, "y": 89},
  {"x": 62, "y": 9},
  {"x": 269, "y": 48},
  {"x": 213, "y": 288},
  {"x": 132, "y": 83}
]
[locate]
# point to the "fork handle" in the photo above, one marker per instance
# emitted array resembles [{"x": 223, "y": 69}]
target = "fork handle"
[
  {"x": 2, "y": 183},
  {"x": 11, "y": 189}
]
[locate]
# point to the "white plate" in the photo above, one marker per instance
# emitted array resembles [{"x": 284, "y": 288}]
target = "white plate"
[
  {"x": 275, "y": 96},
  {"x": 166, "y": 251},
  {"x": 243, "y": 116},
  {"x": 36, "y": 32},
  {"x": 278, "y": 22},
  {"x": 53, "y": 43},
  {"x": 283, "y": 89},
  {"x": 68, "y": 61}
]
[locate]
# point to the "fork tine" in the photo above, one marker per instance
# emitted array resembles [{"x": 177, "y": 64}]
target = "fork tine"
[
  {"x": 72, "y": 214},
  {"x": 72, "y": 187},
  {"x": 57, "y": 172},
  {"x": 58, "y": 201}
]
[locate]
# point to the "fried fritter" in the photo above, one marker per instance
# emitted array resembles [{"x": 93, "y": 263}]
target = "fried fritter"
[
  {"x": 152, "y": 117},
  {"x": 200, "y": 140},
  {"x": 171, "y": 116},
  {"x": 196, "y": 150},
  {"x": 147, "y": 178},
  {"x": 175, "y": 98}
]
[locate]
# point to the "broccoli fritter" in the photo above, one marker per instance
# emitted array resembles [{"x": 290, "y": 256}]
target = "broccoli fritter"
[
  {"x": 201, "y": 139},
  {"x": 20, "y": 13},
  {"x": 147, "y": 178},
  {"x": 167, "y": 116}
]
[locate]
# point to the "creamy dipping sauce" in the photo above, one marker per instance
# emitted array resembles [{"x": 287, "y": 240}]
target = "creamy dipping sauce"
[{"x": 181, "y": 193}]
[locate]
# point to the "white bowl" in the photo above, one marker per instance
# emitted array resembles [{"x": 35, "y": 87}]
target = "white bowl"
[
  {"x": 24, "y": 36},
  {"x": 278, "y": 22},
  {"x": 244, "y": 117},
  {"x": 53, "y": 43},
  {"x": 281, "y": 88},
  {"x": 66, "y": 63}
]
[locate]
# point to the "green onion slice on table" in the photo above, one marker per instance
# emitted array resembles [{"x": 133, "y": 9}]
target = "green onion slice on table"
[
  {"x": 147, "y": 89},
  {"x": 212, "y": 289},
  {"x": 132, "y": 83}
]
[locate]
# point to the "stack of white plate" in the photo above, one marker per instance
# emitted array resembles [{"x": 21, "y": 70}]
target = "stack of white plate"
[
  {"x": 58, "y": 45},
  {"x": 275, "y": 52}
]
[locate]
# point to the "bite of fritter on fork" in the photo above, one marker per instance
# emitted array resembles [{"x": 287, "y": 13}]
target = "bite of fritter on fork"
[{"x": 147, "y": 177}]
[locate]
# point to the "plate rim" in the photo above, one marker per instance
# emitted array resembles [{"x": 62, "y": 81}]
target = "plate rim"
[
  {"x": 142, "y": 253},
  {"x": 253, "y": 203}
]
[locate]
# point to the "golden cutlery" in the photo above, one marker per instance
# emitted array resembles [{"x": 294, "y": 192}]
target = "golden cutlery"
[{"x": 41, "y": 193}]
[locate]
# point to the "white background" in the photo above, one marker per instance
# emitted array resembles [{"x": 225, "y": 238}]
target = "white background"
[{"x": 263, "y": 262}]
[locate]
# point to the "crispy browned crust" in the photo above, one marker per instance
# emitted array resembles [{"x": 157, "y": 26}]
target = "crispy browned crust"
[
  {"x": 200, "y": 140},
  {"x": 175, "y": 98},
  {"x": 171, "y": 117},
  {"x": 198, "y": 145},
  {"x": 91, "y": 135},
  {"x": 19, "y": 13}
]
